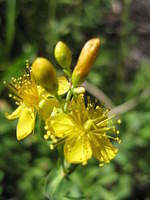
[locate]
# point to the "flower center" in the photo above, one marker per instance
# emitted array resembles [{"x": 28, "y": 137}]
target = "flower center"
[
  {"x": 87, "y": 125},
  {"x": 24, "y": 90},
  {"x": 29, "y": 94}
]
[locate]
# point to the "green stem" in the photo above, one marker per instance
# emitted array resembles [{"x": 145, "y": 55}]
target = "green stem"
[
  {"x": 10, "y": 24},
  {"x": 72, "y": 169},
  {"x": 67, "y": 72},
  {"x": 59, "y": 99},
  {"x": 68, "y": 168},
  {"x": 69, "y": 95}
]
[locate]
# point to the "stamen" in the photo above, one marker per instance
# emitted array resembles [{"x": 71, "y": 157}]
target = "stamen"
[
  {"x": 24, "y": 88},
  {"x": 119, "y": 121},
  {"x": 103, "y": 129},
  {"x": 27, "y": 64},
  {"x": 51, "y": 146},
  {"x": 106, "y": 120},
  {"x": 101, "y": 164},
  {"x": 84, "y": 163},
  {"x": 46, "y": 137}
]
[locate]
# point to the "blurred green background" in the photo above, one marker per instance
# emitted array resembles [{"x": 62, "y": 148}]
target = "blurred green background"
[{"x": 122, "y": 71}]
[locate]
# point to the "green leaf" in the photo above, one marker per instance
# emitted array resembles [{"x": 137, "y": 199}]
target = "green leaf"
[
  {"x": 58, "y": 186},
  {"x": 53, "y": 183}
]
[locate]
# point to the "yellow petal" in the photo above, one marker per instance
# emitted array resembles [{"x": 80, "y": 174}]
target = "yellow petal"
[
  {"x": 14, "y": 114},
  {"x": 77, "y": 149},
  {"x": 79, "y": 111},
  {"x": 26, "y": 123},
  {"x": 43, "y": 93},
  {"x": 46, "y": 107},
  {"x": 63, "y": 85},
  {"x": 62, "y": 125},
  {"x": 102, "y": 149}
]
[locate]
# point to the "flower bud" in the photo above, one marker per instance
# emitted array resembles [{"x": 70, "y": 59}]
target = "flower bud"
[
  {"x": 63, "y": 55},
  {"x": 44, "y": 73},
  {"x": 85, "y": 61}
]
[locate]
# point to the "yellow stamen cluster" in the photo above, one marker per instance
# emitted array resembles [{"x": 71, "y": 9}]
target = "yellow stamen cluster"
[
  {"x": 24, "y": 89},
  {"x": 85, "y": 131}
]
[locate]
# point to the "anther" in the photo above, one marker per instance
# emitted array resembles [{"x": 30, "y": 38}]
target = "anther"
[
  {"x": 46, "y": 137},
  {"x": 46, "y": 127},
  {"x": 51, "y": 146},
  {"x": 119, "y": 141},
  {"x": 119, "y": 121},
  {"x": 27, "y": 64},
  {"x": 101, "y": 164},
  {"x": 84, "y": 162},
  {"x": 48, "y": 133}
]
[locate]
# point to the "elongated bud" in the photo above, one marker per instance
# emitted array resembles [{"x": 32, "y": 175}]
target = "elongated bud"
[
  {"x": 63, "y": 55},
  {"x": 85, "y": 61},
  {"x": 44, "y": 73}
]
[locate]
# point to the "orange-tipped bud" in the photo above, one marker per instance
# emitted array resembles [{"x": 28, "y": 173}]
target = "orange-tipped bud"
[
  {"x": 85, "y": 61},
  {"x": 44, "y": 74}
]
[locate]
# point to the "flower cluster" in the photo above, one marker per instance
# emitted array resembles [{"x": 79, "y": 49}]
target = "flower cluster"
[{"x": 83, "y": 126}]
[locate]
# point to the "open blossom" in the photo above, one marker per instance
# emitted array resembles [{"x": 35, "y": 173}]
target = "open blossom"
[
  {"x": 25, "y": 93},
  {"x": 86, "y": 131},
  {"x": 31, "y": 99}
]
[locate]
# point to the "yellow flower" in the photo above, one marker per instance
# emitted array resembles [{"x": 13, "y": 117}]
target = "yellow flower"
[
  {"x": 84, "y": 132},
  {"x": 25, "y": 93},
  {"x": 31, "y": 99}
]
